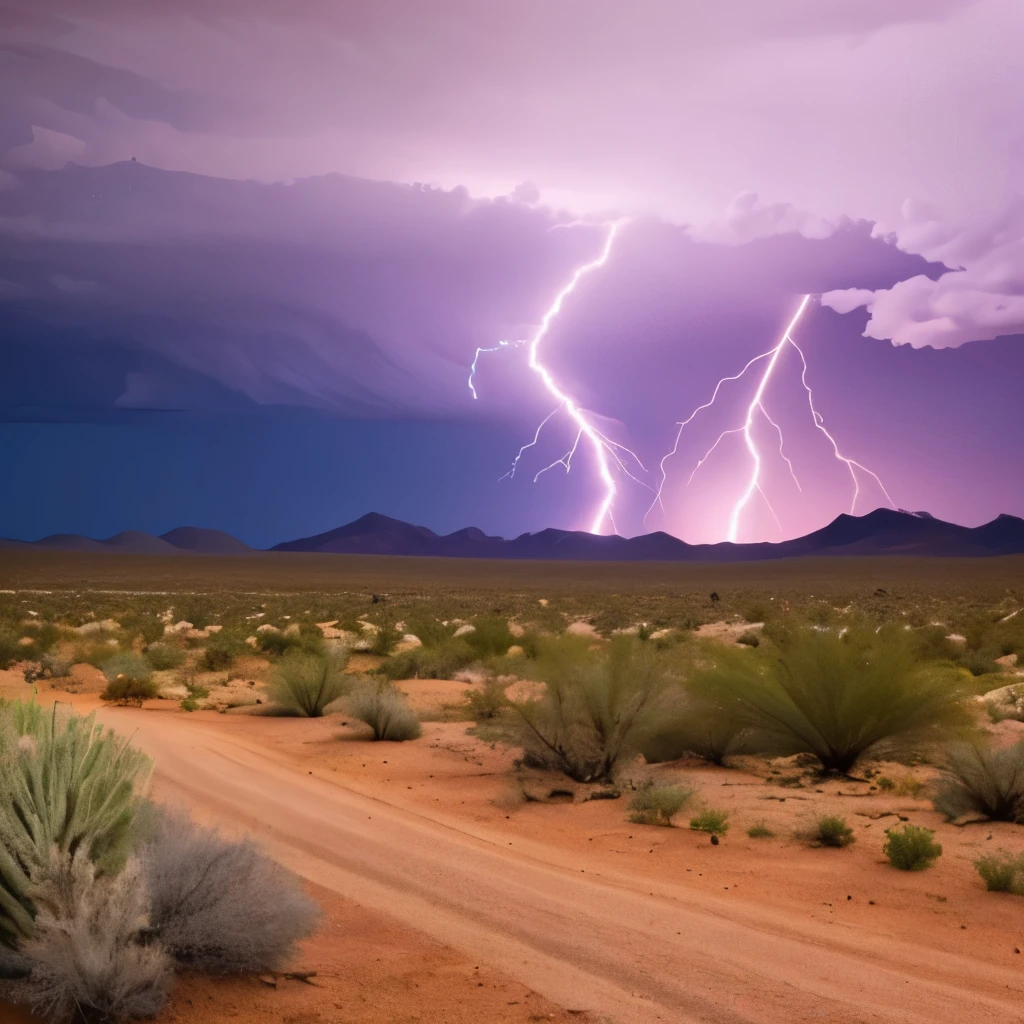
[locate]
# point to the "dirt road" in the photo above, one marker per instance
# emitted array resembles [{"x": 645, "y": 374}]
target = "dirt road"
[{"x": 618, "y": 945}]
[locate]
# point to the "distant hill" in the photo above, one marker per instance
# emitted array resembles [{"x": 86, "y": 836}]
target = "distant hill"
[
  {"x": 205, "y": 542},
  {"x": 882, "y": 532},
  {"x": 133, "y": 542}
]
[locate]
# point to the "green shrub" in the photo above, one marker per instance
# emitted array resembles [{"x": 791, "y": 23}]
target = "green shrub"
[
  {"x": 836, "y": 697},
  {"x": 1002, "y": 872},
  {"x": 440, "y": 661},
  {"x": 885, "y": 783},
  {"x": 430, "y": 632},
  {"x": 984, "y": 780},
  {"x": 491, "y": 637},
  {"x": 194, "y": 608},
  {"x": 759, "y": 830},
  {"x": 95, "y": 654},
  {"x": 10, "y": 649},
  {"x": 190, "y": 703},
  {"x": 832, "y": 830},
  {"x": 384, "y": 639},
  {"x": 164, "y": 656},
  {"x": 123, "y": 690},
  {"x": 487, "y": 701},
  {"x": 150, "y": 627},
  {"x": 699, "y": 727},
  {"x": 276, "y": 641},
  {"x": 656, "y": 805},
  {"x": 384, "y": 708},
  {"x": 129, "y": 678},
  {"x": 307, "y": 683},
  {"x": 66, "y": 785},
  {"x": 596, "y": 707},
  {"x": 223, "y": 647},
  {"x": 709, "y": 820},
  {"x": 911, "y": 848}
]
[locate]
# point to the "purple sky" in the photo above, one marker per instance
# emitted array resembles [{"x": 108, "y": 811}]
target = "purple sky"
[{"x": 333, "y": 205}]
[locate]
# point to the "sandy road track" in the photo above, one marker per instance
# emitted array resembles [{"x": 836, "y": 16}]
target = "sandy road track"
[{"x": 615, "y": 945}]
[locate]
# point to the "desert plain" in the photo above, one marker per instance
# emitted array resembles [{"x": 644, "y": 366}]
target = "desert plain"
[{"x": 458, "y": 884}]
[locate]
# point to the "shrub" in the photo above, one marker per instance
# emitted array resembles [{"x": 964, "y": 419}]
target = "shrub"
[
  {"x": 656, "y": 805},
  {"x": 487, "y": 701},
  {"x": 276, "y": 641},
  {"x": 384, "y": 639},
  {"x": 386, "y": 711},
  {"x": 832, "y": 830},
  {"x": 66, "y": 785},
  {"x": 54, "y": 665},
  {"x": 440, "y": 661},
  {"x": 430, "y": 632},
  {"x": 143, "y": 624},
  {"x": 836, "y": 697},
  {"x": 693, "y": 726},
  {"x": 597, "y": 704},
  {"x": 86, "y": 956},
  {"x": 10, "y": 649},
  {"x": 223, "y": 647},
  {"x": 129, "y": 678},
  {"x": 491, "y": 637},
  {"x": 164, "y": 656},
  {"x": 984, "y": 780},
  {"x": 715, "y": 822},
  {"x": 1002, "y": 872},
  {"x": 95, "y": 654},
  {"x": 194, "y": 608},
  {"x": 885, "y": 783},
  {"x": 217, "y": 905},
  {"x": 911, "y": 848},
  {"x": 759, "y": 830},
  {"x": 189, "y": 703},
  {"x": 307, "y": 683}
]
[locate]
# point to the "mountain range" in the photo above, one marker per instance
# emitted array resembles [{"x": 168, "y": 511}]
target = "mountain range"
[{"x": 882, "y": 532}]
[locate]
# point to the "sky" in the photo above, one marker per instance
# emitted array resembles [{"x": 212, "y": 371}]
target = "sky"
[{"x": 248, "y": 254}]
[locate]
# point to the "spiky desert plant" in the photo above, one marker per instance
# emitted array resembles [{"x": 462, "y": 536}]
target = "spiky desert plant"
[
  {"x": 985, "y": 780},
  {"x": 306, "y": 683},
  {"x": 87, "y": 956},
  {"x": 66, "y": 784},
  {"x": 220, "y": 905},
  {"x": 384, "y": 708},
  {"x": 836, "y": 696},
  {"x": 597, "y": 704}
]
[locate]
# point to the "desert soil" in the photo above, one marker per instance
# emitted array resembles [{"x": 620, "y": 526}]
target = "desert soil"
[{"x": 447, "y": 899}]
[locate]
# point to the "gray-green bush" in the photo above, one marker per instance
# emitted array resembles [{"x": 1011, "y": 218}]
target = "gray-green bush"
[
  {"x": 218, "y": 905},
  {"x": 710, "y": 820},
  {"x": 87, "y": 956},
  {"x": 383, "y": 707},
  {"x": 164, "y": 656},
  {"x": 835, "y": 696},
  {"x": 657, "y": 805},
  {"x": 984, "y": 780},
  {"x": 307, "y": 683},
  {"x": 596, "y": 707}
]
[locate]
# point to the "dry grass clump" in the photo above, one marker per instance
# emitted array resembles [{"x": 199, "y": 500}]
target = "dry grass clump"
[
  {"x": 306, "y": 683},
  {"x": 657, "y": 805},
  {"x": 911, "y": 848},
  {"x": 759, "y": 830},
  {"x": 384, "y": 708},
  {"x": 983, "y": 780},
  {"x": 836, "y": 695}
]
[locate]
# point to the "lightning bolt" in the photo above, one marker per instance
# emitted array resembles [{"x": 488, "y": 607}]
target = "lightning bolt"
[
  {"x": 605, "y": 451},
  {"x": 756, "y": 406}
]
